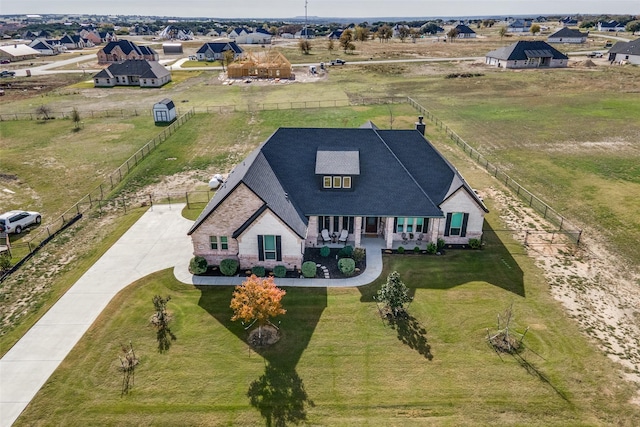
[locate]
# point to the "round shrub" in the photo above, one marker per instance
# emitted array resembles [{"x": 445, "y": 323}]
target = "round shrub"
[
  {"x": 280, "y": 271},
  {"x": 347, "y": 266},
  {"x": 358, "y": 254},
  {"x": 416, "y": 250},
  {"x": 400, "y": 250},
  {"x": 441, "y": 244},
  {"x": 258, "y": 270},
  {"x": 309, "y": 269},
  {"x": 432, "y": 248},
  {"x": 198, "y": 265},
  {"x": 229, "y": 266},
  {"x": 346, "y": 252},
  {"x": 324, "y": 251},
  {"x": 475, "y": 243}
]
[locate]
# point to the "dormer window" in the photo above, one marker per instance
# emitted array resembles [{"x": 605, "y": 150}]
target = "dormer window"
[
  {"x": 336, "y": 181},
  {"x": 337, "y": 167}
]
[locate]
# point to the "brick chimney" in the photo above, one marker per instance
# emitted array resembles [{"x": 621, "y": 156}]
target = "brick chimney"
[{"x": 420, "y": 125}]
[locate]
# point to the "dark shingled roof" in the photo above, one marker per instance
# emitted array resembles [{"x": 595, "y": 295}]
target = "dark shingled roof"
[
  {"x": 401, "y": 174},
  {"x": 568, "y": 32},
  {"x": 134, "y": 67},
  {"x": 463, "y": 29},
  {"x": 629, "y": 48},
  {"x": 219, "y": 47},
  {"x": 523, "y": 50},
  {"x": 128, "y": 46}
]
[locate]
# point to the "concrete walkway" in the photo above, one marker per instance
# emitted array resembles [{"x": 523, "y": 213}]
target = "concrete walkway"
[{"x": 155, "y": 242}]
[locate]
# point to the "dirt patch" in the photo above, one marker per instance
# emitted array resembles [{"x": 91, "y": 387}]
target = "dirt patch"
[{"x": 596, "y": 288}]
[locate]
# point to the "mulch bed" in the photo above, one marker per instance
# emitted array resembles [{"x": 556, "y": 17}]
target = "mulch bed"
[{"x": 331, "y": 263}]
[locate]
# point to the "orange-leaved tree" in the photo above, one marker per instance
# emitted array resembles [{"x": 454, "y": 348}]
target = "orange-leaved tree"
[{"x": 257, "y": 300}]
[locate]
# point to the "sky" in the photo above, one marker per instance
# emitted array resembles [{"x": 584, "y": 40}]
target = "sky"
[{"x": 321, "y": 8}]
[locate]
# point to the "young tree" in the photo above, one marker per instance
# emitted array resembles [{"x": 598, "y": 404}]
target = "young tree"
[
  {"x": 75, "y": 116},
  {"x": 502, "y": 32},
  {"x": 394, "y": 295},
  {"x": 257, "y": 300},
  {"x": 452, "y": 34},
  {"x": 305, "y": 46},
  {"x": 43, "y": 111},
  {"x": 430, "y": 28},
  {"x": 330, "y": 45},
  {"x": 346, "y": 40},
  {"x": 403, "y": 32},
  {"x": 227, "y": 58},
  {"x": 535, "y": 29},
  {"x": 160, "y": 320}
]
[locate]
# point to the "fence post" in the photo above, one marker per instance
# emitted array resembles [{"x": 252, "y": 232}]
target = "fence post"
[
  {"x": 124, "y": 203},
  {"x": 186, "y": 194},
  {"x": 545, "y": 211}
]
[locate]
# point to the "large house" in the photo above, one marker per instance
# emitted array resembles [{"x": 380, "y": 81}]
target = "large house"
[
  {"x": 133, "y": 72},
  {"x": 527, "y": 54},
  {"x": 121, "y": 50},
  {"x": 610, "y": 26},
  {"x": 568, "y": 35},
  {"x": 303, "y": 183},
  {"x": 215, "y": 50},
  {"x": 464, "y": 32},
  {"x": 626, "y": 52}
]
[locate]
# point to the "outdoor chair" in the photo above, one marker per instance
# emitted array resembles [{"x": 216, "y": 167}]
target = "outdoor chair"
[
  {"x": 343, "y": 236},
  {"x": 420, "y": 237},
  {"x": 405, "y": 239},
  {"x": 325, "y": 236}
]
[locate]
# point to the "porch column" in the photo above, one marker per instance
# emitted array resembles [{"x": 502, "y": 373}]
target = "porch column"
[
  {"x": 312, "y": 231},
  {"x": 388, "y": 234},
  {"x": 434, "y": 230},
  {"x": 357, "y": 231}
]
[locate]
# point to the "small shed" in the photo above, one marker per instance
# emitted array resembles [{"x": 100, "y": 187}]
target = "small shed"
[
  {"x": 164, "y": 111},
  {"x": 172, "y": 48}
]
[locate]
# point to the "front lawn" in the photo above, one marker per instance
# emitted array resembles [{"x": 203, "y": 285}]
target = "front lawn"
[{"x": 338, "y": 363}]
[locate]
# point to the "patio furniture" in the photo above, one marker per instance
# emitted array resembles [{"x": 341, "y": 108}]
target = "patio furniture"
[
  {"x": 343, "y": 236},
  {"x": 325, "y": 235},
  {"x": 405, "y": 240},
  {"x": 420, "y": 237}
]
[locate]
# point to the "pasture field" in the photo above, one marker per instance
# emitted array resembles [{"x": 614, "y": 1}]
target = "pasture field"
[{"x": 339, "y": 363}]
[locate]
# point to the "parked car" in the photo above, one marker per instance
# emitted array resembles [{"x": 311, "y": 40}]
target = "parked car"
[
  {"x": 6, "y": 73},
  {"x": 338, "y": 62},
  {"x": 594, "y": 55},
  {"x": 16, "y": 221},
  {"x": 5, "y": 61}
]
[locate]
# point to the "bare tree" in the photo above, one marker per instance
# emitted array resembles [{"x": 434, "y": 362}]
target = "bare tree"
[
  {"x": 75, "y": 116},
  {"x": 505, "y": 340},
  {"x": 44, "y": 111},
  {"x": 305, "y": 46},
  {"x": 502, "y": 32},
  {"x": 330, "y": 45},
  {"x": 128, "y": 363}
]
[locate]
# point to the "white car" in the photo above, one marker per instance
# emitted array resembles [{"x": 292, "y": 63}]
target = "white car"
[{"x": 16, "y": 221}]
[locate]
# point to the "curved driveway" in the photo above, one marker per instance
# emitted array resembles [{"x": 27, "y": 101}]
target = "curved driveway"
[{"x": 158, "y": 240}]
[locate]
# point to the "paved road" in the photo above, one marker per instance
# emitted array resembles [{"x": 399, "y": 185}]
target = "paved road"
[{"x": 158, "y": 240}]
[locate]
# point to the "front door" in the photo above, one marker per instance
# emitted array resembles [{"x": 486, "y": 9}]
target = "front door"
[{"x": 371, "y": 225}]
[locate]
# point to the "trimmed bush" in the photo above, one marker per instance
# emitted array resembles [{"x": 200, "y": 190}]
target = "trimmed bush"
[
  {"x": 325, "y": 251},
  {"x": 475, "y": 243},
  {"x": 309, "y": 269},
  {"x": 198, "y": 265},
  {"x": 416, "y": 250},
  {"x": 358, "y": 254},
  {"x": 280, "y": 271},
  {"x": 400, "y": 250},
  {"x": 441, "y": 244},
  {"x": 229, "y": 266},
  {"x": 347, "y": 266},
  {"x": 258, "y": 270},
  {"x": 346, "y": 252},
  {"x": 432, "y": 248}
]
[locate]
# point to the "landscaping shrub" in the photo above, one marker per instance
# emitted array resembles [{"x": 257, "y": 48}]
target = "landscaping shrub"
[
  {"x": 258, "y": 270},
  {"x": 229, "y": 266},
  {"x": 475, "y": 243},
  {"x": 347, "y": 266},
  {"x": 346, "y": 252},
  {"x": 358, "y": 254},
  {"x": 432, "y": 248},
  {"x": 441, "y": 244},
  {"x": 198, "y": 265},
  {"x": 400, "y": 250},
  {"x": 416, "y": 250},
  {"x": 280, "y": 271},
  {"x": 324, "y": 251},
  {"x": 309, "y": 269}
]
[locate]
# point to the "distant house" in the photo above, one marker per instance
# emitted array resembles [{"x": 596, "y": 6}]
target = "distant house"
[
  {"x": 464, "y": 32},
  {"x": 45, "y": 48},
  {"x": 215, "y": 51},
  {"x": 121, "y": 50},
  {"x": 567, "y": 35},
  {"x": 335, "y": 34},
  {"x": 259, "y": 36},
  {"x": 239, "y": 31},
  {"x": 610, "y": 26},
  {"x": 626, "y": 51},
  {"x": 133, "y": 72},
  {"x": 568, "y": 21},
  {"x": 92, "y": 35},
  {"x": 72, "y": 42},
  {"x": 305, "y": 33},
  {"x": 519, "y": 26},
  {"x": 18, "y": 52},
  {"x": 164, "y": 111},
  {"x": 171, "y": 32},
  {"x": 364, "y": 183},
  {"x": 527, "y": 54},
  {"x": 262, "y": 65}
]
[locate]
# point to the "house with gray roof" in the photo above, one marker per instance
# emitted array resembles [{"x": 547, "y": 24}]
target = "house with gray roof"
[
  {"x": 464, "y": 32},
  {"x": 626, "y": 52},
  {"x": 215, "y": 50},
  {"x": 133, "y": 72},
  {"x": 527, "y": 54},
  {"x": 387, "y": 184},
  {"x": 121, "y": 50},
  {"x": 568, "y": 35}
]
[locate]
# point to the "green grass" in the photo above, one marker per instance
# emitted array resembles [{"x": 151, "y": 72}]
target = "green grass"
[{"x": 338, "y": 363}]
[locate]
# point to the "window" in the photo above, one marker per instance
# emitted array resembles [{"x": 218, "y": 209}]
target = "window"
[
  {"x": 346, "y": 182},
  {"x": 220, "y": 242},
  {"x": 347, "y": 223},
  {"x": 409, "y": 227},
  {"x": 422, "y": 225},
  {"x": 337, "y": 182},
  {"x": 399, "y": 225},
  {"x": 456, "y": 224},
  {"x": 327, "y": 182},
  {"x": 336, "y": 224},
  {"x": 269, "y": 248}
]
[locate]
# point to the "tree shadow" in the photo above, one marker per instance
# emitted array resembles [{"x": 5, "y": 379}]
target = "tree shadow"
[
  {"x": 533, "y": 370},
  {"x": 411, "y": 333},
  {"x": 493, "y": 264},
  {"x": 304, "y": 307},
  {"x": 164, "y": 336},
  {"x": 280, "y": 396}
]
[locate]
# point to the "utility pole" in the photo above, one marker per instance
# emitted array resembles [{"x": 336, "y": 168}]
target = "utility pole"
[{"x": 306, "y": 35}]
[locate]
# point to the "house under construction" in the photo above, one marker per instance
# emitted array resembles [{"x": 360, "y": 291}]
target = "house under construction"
[{"x": 263, "y": 65}]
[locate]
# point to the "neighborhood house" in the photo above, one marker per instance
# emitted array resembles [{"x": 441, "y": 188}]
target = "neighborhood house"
[
  {"x": 307, "y": 187},
  {"x": 133, "y": 72},
  {"x": 527, "y": 54},
  {"x": 121, "y": 50}
]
